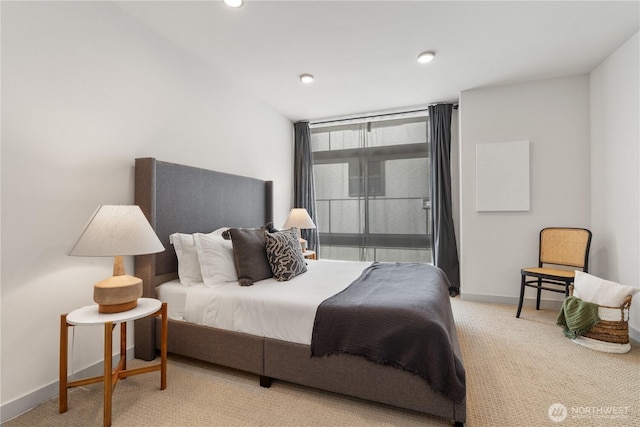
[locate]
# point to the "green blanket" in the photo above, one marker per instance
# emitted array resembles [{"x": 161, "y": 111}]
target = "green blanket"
[{"x": 577, "y": 317}]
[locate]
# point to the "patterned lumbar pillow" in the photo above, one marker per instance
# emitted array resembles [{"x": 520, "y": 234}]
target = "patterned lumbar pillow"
[{"x": 285, "y": 254}]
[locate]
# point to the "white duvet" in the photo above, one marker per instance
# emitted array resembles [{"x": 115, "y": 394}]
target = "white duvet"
[{"x": 280, "y": 310}]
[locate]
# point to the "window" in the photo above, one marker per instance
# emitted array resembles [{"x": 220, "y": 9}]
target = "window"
[
  {"x": 374, "y": 178},
  {"x": 372, "y": 190}
]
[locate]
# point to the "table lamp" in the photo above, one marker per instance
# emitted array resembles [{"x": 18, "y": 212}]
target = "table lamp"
[
  {"x": 117, "y": 230},
  {"x": 299, "y": 218}
]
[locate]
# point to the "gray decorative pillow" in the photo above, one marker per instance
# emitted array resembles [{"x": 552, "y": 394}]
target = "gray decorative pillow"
[
  {"x": 249, "y": 255},
  {"x": 226, "y": 234},
  {"x": 285, "y": 254}
]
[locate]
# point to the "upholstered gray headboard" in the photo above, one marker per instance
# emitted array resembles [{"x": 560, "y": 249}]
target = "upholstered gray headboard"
[{"x": 185, "y": 199}]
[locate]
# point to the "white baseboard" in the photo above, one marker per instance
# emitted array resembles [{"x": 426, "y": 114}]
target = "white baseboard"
[
  {"x": 549, "y": 304},
  {"x": 29, "y": 401}
]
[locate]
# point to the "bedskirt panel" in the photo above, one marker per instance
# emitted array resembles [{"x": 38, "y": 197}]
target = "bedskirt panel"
[
  {"x": 343, "y": 374},
  {"x": 355, "y": 376},
  {"x": 227, "y": 348}
]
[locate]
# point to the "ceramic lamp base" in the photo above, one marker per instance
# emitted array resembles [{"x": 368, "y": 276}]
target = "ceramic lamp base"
[
  {"x": 117, "y": 308},
  {"x": 117, "y": 293}
]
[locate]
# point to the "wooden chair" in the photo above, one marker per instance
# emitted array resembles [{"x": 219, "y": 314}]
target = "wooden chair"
[{"x": 559, "y": 247}]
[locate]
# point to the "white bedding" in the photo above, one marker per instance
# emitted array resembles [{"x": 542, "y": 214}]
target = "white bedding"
[
  {"x": 280, "y": 310},
  {"x": 174, "y": 294}
]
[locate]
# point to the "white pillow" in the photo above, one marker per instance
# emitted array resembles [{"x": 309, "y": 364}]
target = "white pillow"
[
  {"x": 216, "y": 258},
  {"x": 188, "y": 264},
  {"x": 602, "y": 292},
  {"x": 219, "y": 231}
]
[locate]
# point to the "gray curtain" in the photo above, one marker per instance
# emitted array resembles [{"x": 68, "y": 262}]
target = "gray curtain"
[
  {"x": 445, "y": 250},
  {"x": 303, "y": 185}
]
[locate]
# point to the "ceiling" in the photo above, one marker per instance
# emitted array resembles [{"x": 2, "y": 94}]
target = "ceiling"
[{"x": 363, "y": 54}]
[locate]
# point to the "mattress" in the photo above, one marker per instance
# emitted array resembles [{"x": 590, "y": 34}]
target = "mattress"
[
  {"x": 279, "y": 310},
  {"x": 174, "y": 294}
]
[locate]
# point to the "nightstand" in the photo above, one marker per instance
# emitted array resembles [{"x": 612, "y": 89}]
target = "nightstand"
[
  {"x": 89, "y": 315},
  {"x": 309, "y": 254}
]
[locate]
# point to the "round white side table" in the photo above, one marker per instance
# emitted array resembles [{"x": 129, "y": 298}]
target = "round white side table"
[{"x": 89, "y": 315}]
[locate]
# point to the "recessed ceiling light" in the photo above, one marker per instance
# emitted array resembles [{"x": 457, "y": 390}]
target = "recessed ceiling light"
[
  {"x": 233, "y": 3},
  {"x": 425, "y": 57},
  {"x": 306, "y": 78}
]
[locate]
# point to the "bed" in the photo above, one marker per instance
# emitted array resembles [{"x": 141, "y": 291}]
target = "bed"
[{"x": 178, "y": 198}]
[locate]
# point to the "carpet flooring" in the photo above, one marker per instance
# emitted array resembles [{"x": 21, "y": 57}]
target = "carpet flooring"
[{"x": 520, "y": 372}]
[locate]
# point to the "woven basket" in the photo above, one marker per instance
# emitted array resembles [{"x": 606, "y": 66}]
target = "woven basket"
[{"x": 613, "y": 331}]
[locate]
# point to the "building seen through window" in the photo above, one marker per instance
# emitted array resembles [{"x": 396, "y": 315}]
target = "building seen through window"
[{"x": 372, "y": 190}]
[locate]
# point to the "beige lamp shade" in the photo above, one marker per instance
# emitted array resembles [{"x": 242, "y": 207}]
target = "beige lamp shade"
[
  {"x": 117, "y": 230},
  {"x": 299, "y": 218}
]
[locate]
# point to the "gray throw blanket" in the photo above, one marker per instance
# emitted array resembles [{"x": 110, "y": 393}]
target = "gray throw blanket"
[{"x": 395, "y": 314}]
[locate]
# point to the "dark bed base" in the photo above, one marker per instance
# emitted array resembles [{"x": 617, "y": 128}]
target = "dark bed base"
[
  {"x": 184, "y": 199},
  {"x": 274, "y": 359}
]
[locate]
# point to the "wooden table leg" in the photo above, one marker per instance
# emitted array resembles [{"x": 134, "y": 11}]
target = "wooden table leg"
[
  {"x": 108, "y": 384},
  {"x": 163, "y": 347},
  {"x": 64, "y": 348},
  {"x": 123, "y": 344}
]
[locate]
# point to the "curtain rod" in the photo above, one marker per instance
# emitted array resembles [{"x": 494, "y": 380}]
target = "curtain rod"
[{"x": 372, "y": 116}]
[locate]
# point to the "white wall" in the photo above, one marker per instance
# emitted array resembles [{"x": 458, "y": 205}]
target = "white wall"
[
  {"x": 615, "y": 161},
  {"x": 554, "y": 116},
  {"x": 86, "y": 90}
]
